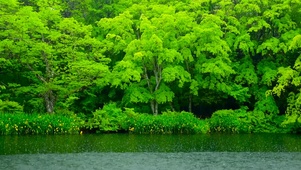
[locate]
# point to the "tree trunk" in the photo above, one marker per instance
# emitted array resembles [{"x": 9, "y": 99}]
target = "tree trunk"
[
  {"x": 158, "y": 78},
  {"x": 152, "y": 104},
  {"x": 48, "y": 96},
  {"x": 190, "y": 103},
  {"x": 49, "y": 101},
  {"x": 171, "y": 107},
  {"x": 190, "y": 96},
  {"x": 154, "y": 107}
]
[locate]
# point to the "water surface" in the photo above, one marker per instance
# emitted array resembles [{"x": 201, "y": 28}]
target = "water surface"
[
  {"x": 150, "y": 143},
  {"x": 125, "y": 151}
]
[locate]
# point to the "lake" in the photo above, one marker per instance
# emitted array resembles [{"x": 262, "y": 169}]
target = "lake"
[{"x": 126, "y": 151}]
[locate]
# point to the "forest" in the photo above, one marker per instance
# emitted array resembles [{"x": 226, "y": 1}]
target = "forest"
[{"x": 235, "y": 62}]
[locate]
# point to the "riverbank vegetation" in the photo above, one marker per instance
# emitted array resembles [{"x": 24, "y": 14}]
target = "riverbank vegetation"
[
  {"x": 135, "y": 65},
  {"x": 34, "y": 124},
  {"x": 112, "y": 119}
]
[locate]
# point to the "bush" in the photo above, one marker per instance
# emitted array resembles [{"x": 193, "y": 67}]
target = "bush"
[
  {"x": 108, "y": 119},
  {"x": 167, "y": 123},
  {"x": 241, "y": 121},
  {"x": 10, "y": 107},
  {"x": 113, "y": 119},
  {"x": 23, "y": 124},
  {"x": 292, "y": 123},
  {"x": 224, "y": 121}
]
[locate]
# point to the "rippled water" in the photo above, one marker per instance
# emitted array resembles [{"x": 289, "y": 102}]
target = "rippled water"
[
  {"x": 154, "y": 161},
  {"x": 124, "y": 151}
]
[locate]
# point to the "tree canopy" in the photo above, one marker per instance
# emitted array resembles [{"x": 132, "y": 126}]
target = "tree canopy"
[{"x": 151, "y": 55}]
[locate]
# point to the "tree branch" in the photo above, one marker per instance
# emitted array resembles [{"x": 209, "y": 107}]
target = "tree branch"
[{"x": 37, "y": 75}]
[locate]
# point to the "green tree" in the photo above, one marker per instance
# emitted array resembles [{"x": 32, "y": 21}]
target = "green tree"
[
  {"x": 149, "y": 38},
  {"x": 56, "y": 56}
]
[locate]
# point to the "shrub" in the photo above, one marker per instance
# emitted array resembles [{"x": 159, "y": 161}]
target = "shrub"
[
  {"x": 10, "y": 107},
  {"x": 241, "y": 121},
  {"x": 108, "y": 119},
  {"x": 291, "y": 123},
  {"x": 167, "y": 123},
  {"x": 224, "y": 121},
  {"x": 22, "y": 124}
]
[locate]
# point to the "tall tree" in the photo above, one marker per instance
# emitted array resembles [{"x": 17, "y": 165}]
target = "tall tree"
[
  {"x": 149, "y": 37},
  {"x": 56, "y": 55}
]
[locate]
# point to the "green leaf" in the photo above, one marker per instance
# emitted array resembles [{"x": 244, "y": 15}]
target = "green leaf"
[{"x": 163, "y": 94}]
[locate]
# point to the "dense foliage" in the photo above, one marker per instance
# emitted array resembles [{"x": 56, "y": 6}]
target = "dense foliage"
[
  {"x": 33, "y": 124},
  {"x": 237, "y": 60},
  {"x": 113, "y": 119}
]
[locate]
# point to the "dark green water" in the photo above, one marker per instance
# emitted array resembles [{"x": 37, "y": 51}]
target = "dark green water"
[
  {"x": 124, "y": 151},
  {"x": 150, "y": 143}
]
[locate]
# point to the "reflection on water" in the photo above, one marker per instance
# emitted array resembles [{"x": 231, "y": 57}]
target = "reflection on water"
[
  {"x": 150, "y": 143},
  {"x": 151, "y": 152}
]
